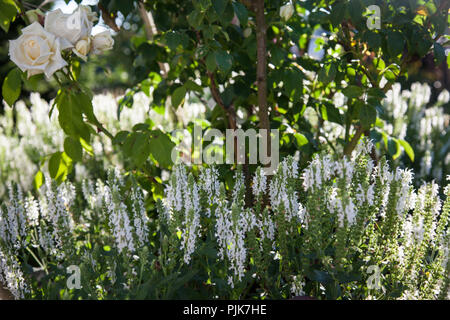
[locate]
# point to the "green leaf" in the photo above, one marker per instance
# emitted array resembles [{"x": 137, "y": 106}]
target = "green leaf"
[
  {"x": 73, "y": 148},
  {"x": 141, "y": 149},
  {"x": 219, "y": 6},
  {"x": 178, "y": 96},
  {"x": 173, "y": 40},
  {"x": 393, "y": 148},
  {"x": 374, "y": 40},
  {"x": 8, "y": 11},
  {"x": 327, "y": 73},
  {"x": 191, "y": 85},
  {"x": 59, "y": 166},
  {"x": 355, "y": 10},
  {"x": 353, "y": 91},
  {"x": 300, "y": 139},
  {"x": 439, "y": 53},
  {"x": 38, "y": 180},
  {"x": 241, "y": 12},
  {"x": 195, "y": 19},
  {"x": 161, "y": 148},
  {"x": 224, "y": 61},
  {"x": 12, "y": 86},
  {"x": 120, "y": 137},
  {"x": 408, "y": 149},
  {"x": 368, "y": 116},
  {"x": 395, "y": 43},
  {"x": 337, "y": 13},
  {"x": 211, "y": 62}
]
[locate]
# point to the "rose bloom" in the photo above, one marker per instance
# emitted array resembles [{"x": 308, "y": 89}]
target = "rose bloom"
[
  {"x": 102, "y": 42},
  {"x": 82, "y": 48},
  {"x": 73, "y": 27},
  {"x": 287, "y": 11},
  {"x": 37, "y": 51}
]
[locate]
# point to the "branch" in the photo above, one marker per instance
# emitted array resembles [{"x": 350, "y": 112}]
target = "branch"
[
  {"x": 109, "y": 18},
  {"x": 216, "y": 95},
  {"x": 353, "y": 142}
]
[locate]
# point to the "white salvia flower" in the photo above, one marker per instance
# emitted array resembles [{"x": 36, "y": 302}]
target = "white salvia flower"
[
  {"x": 332, "y": 200},
  {"x": 32, "y": 211},
  {"x": 283, "y": 198},
  {"x": 360, "y": 196},
  {"x": 119, "y": 221},
  {"x": 12, "y": 276},
  {"x": 370, "y": 194},
  {"x": 231, "y": 227},
  {"x": 238, "y": 185},
  {"x": 405, "y": 178},
  {"x": 140, "y": 218},
  {"x": 350, "y": 212},
  {"x": 191, "y": 224},
  {"x": 297, "y": 286},
  {"x": 259, "y": 183},
  {"x": 267, "y": 230},
  {"x": 364, "y": 147},
  {"x": 308, "y": 178},
  {"x": 347, "y": 212},
  {"x": 418, "y": 230},
  {"x": 209, "y": 183}
]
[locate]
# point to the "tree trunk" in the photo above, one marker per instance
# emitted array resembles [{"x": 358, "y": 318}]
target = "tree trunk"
[{"x": 261, "y": 68}]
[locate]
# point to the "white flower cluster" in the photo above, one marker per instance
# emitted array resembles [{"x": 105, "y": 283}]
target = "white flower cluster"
[
  {"x": 409, "y": 112},
  {"x": 182, "y": 209},
  {"x": 259, "y": 183},
  {"x": 11, "y": 275},
  {"x": 283, "y": 197},
  {"x": 140, "y": 219},
  {"x": 209, "y": 183},
  {"x": 297, "y": 286},
  {"x": 39, "y": 49},
  {"x": 119, "y": 220}
]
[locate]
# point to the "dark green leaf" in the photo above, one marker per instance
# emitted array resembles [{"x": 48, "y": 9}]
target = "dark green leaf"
[
  {"x": 12, "y": 86},
  {"x": 178, "y": 96},
  {"x": 395, "y": 43},
  {"x": 219, "y": 6},
  {"x": 224, "y": 61},
  {"x": 352, "y": 91},
  {"x": 161, "y": 148},
  {"x": 73, "y": 148}
]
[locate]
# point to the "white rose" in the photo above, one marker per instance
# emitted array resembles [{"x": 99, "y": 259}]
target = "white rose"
[
  {"x": 102, "y": 42},
  {"x": 72, "y": 27},
  {"x": 92, "y": 16},
  {"x": 82, "y": 48},
  {"x": 287, "y": 11},
  {"x": 37, "y": 51}
]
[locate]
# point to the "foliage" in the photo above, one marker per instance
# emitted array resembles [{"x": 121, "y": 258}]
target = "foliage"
[
  {"x": 314, "y": 70},
  {"x": 318, "y": 234}
]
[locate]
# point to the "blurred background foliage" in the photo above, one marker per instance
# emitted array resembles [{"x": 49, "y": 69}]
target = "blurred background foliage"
[{"x": 309, "y": 54}]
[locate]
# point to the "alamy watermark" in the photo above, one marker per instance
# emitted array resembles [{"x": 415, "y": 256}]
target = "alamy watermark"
[
  {"x": 263, "y": 147},
  {"x": 374, "y": 18},
  {"x": 74, "y": 280}
]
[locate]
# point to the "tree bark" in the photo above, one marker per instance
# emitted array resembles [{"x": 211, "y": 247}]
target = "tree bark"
[{"x": 261, "y": 68}]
